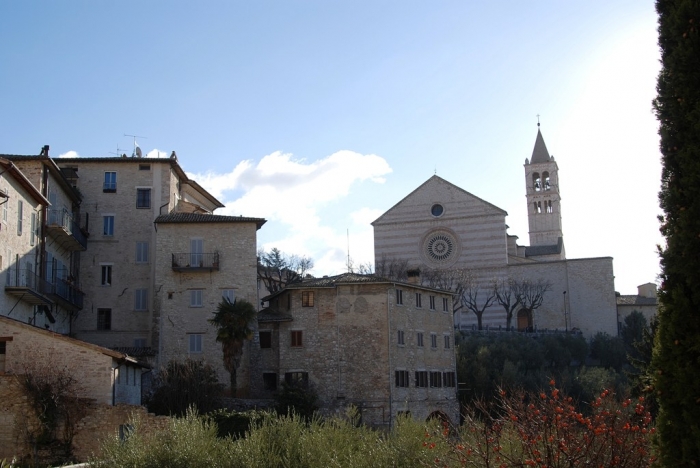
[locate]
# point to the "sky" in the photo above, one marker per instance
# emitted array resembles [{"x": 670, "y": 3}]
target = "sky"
[{"x": 321, "y": 115}]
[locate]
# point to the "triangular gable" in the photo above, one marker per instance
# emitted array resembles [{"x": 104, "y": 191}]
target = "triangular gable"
[{"x": 438, "y": 190}]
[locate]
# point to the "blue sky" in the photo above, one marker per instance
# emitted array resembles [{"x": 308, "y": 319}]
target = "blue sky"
[{"x": 321, "y": 115}]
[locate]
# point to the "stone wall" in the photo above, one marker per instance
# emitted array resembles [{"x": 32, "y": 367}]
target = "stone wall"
[{"x": 95, "y": 423}]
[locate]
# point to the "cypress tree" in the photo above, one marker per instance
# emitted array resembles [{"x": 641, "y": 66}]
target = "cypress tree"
[{"x": 676, "y": 362}]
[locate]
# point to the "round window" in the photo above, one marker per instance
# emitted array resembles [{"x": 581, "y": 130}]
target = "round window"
[
  {"x": 437, "y": 210},
  {"x": 440, "y": 248}
]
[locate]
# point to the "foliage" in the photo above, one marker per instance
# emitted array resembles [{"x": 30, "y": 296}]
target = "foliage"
[
  {"x": 677, "y": 353},
  {"x": 277, "y": 269},
  {"x": 641, "y": 373},
  {"x": 609, "y": 351},
  {"x": 632, "y": 331},
  {"x": 180, "y": 385},
  {"x": 53, "y": 394},
  {"x": 546, "y": 430},
  {"x": 298, "y": 399},
  {"x": 234, "y": 424},
  {"x": 515, "y": 360},
  {"x": 232, "y": 321}
]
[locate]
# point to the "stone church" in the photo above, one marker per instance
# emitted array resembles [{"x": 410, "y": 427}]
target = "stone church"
[{"x": 440, "y": 226}]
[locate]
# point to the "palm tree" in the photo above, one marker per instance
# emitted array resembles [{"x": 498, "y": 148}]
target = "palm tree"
[{"x": 232, "y": 321}]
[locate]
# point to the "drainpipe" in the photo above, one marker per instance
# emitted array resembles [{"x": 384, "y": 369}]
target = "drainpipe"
[{"x": 388, "y": 325}]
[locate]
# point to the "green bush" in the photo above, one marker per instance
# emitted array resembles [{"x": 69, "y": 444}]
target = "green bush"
[
  {"x": 298, "y": 399},
  {"x": 181, "y": 385},
  {"x": 234, "y": 424}
]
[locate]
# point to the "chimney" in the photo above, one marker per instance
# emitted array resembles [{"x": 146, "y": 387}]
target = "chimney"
[
  {"x": 413, "y": 276},
  {"x": 45, "y": 151}
]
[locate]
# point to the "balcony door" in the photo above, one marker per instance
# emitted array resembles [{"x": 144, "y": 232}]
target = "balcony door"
[{"x": 196, "y": 252}]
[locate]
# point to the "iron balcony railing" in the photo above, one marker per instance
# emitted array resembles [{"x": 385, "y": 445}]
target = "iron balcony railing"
[
  {"x": 195, "y": 261},
  {"x": 24, "y": 278},
  {"x": 63, "y": 219}
]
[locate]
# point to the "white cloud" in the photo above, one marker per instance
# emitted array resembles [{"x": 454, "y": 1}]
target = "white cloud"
[
  {"x": 69, "y": 154},
  {"x": 156, "y": 153},
  {"x": 291, "y": 192}
]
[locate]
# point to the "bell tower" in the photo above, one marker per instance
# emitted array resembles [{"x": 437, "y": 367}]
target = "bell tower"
[{"x": 543, "y": 200}]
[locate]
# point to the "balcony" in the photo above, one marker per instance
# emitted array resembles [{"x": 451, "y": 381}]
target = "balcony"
[
  {"x": 65, "y": 230},
  {"x": 28, "y": 286},
  {"x": 195, "y": 261},
  {"x": 66, "y": 294}
]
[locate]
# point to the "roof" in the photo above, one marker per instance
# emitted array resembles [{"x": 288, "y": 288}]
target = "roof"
[
  {"x": 206, "y": 218},
  {"x": 633, "y": 299},
  {"x": 350, "y": 278},
  {"x": 440, "y": 179},
  {"x": 536, "y": 250},
  {"x": 135, "y": 352},
  {"x": 53, "y": 167},
  {"x": 57, "y": 336},
  {"x": 23, "y": 181},
  {"x": 539, "y": 153}
]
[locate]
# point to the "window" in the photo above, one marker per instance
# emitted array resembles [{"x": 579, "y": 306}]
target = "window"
[
  {"x": 265, "y": 339},
  {"x": 104, "y": 319},
  {"x": 436, "y": 210},
  {"x": 296, "y": 336},
  {"x": 32, "y": 233},
  {"x": 110, "y": 185},
  {"x": 143, "y": 198},
  {"x": 139, "y": 342},
  {"x": 433, "y": 340},
  {"x": 142, "y": 252},
  {"x": 448, "y": 379},
  {"x": 401, "y": 378},
  {"x": 195, "y": 345},
  {"x": 144, "y": 167},
  {"x": 108, "y": 225},
  {"x": 228, "y": 294},
  {"x": 436, "y": 379},
  {"x": 432, "y": 302},
  {"x": 447, "y": 341},
  {"x": 20, "y": 206},
  {"x": 400, "y": 337},
  {"x": 548, "y": 206},
  {"x": 307, "y": 298},
  {"x": 106, "y": 275},
  {"x": 270, "y": 381},
  {"x": 445, "y": 305},
  {"x": 3, "y": 351},
  {"x": 299, "y": 379},
  {"x": 141, "y": 299},
  {"x": 419, "y": 339},
  {"x": 196, "y": 297},
  {"x": 419, "y": 300},
  {"x": 4, "y": 209},
  {"x": 421, "y": 379},
  {"x": 399, "y": 297},
  {"x": 196, "y": 252}
]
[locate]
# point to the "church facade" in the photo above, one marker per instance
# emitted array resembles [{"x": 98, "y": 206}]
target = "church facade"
[{"x": 442, "y": 227}]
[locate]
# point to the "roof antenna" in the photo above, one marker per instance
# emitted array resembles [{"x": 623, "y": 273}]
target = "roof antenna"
[
  {"x": 119, "y": 152},
  {"x": 137, "y": 151},
  {"x": 538, "y": 120}
]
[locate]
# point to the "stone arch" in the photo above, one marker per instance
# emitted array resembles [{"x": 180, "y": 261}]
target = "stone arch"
[
  {"x": 440, "y": 416},
  {"x": 536, "y": 181},
  {"x": 524, "y": 320},
  {"x": 545, "y": 181}
]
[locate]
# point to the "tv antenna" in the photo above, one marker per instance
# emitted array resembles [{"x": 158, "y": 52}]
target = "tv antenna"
[
  {"x": 137, "y": 151},
  {"x": 120, "y": 151}
]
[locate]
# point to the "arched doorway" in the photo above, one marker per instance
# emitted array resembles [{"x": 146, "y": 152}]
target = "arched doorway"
[{"x": 524, "y": 320}]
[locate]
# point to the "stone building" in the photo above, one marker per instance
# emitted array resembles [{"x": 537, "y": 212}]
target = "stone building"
[
  {"x": 41, "y": 241},
  {"x": 384, "y": 347},
  {"x": 440, "y": 226},
  {"x": 645, "y": 301}
]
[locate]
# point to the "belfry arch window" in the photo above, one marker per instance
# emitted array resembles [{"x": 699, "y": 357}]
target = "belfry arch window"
[
  {"x": 545, "y": 178},
  {"x": 538, "y": 207},
  {"x": 548, "y": 206},
  {"x": 536, "y": 182}
]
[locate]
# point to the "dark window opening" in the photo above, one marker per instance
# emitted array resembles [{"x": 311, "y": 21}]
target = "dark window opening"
[
  {"x": 421, "y": 379},
  {"x": 104, "y": 319},
  {"x": 436, "y": 379},
  {"x": 297, "y": 379},
  {"x": 270, "y": 381},
  {"x": 297, "y": 341},
  {"x": 265, "y": 339},
  {"x": 143, "y": 198},
  {"x": 401, "y": 378}
]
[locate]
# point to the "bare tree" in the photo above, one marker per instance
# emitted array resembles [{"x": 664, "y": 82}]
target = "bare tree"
[
  {"x": 509, "y": 294},
  {"x": 533, "y": 294},
  {"x": 276, "y": 269},
  {"x": 392, "y": 268},
  {"x": 449, "y": 280},
  {"x": 472, "y": 301}
]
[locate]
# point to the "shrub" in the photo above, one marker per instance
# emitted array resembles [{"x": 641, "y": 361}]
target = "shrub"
[
  {"x": 298, "y": 399},
  {"x": 234, "y": 424},
  {"x": 180, "y": 385}
]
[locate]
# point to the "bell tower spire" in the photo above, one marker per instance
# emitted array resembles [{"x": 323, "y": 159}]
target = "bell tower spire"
[{"x": 543, "y": 201}]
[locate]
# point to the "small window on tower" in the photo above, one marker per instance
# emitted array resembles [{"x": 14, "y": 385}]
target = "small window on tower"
[
  {"x": 545, "y": 176},
  {"x": 548, "y": 204}
]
